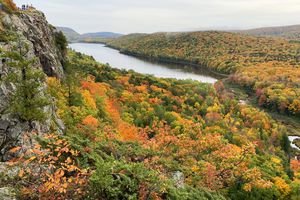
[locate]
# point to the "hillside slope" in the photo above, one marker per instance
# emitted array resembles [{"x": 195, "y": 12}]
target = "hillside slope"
[
  {"x": 127, "y": 135},
  {"x": 262, "y": 65},
  {"x": 166, "y": 138},
  {"x": 219, "y": 51}
]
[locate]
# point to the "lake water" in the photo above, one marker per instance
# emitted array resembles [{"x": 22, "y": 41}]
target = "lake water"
[
  {"x": 292, "y": 139},
  {"x": 115, "y": 59}
]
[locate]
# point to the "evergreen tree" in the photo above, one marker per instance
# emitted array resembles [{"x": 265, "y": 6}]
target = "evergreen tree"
[
  {"x": 27, "y": 102},
  {"x": 71, "y": 82},
  {"x": 61, "y": 42}
]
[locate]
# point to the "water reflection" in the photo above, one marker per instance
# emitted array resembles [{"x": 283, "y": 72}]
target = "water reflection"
[{"x": 105, "y": 54}]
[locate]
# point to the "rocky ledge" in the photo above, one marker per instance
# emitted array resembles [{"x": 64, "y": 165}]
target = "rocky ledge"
[{"x": 32, "y": 30}]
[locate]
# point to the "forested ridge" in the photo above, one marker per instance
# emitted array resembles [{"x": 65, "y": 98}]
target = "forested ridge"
[
  {"x": 291, "y": 33},
  {"x": 219, "y": 51},
  {"x": 133, "y": 136},
  {"x": 267, "y": 67}
]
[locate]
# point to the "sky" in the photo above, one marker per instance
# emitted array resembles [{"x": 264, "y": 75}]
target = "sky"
[{"x": 147, "y": 16}]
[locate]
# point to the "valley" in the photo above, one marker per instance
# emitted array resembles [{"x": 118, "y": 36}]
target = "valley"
[
  {"x": 115, "y": 60},
  {"x": 204, "y": 115}
]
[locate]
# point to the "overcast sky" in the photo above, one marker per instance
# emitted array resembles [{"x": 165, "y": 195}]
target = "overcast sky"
[{"x": 128, "y": 16}]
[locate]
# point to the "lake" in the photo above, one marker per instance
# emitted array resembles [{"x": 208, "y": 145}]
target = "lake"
[
  {"x": 292, "y": 139},
  {"x": 118, "y": 60}
]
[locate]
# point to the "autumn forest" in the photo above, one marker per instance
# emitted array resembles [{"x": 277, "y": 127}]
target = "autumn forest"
[{"x": 74, "y": 128}]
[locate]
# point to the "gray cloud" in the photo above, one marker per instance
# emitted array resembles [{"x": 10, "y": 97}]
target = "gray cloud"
[{"x": 128, "y": 16}]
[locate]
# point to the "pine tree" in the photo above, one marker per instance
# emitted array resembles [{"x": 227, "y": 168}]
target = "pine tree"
[
  {"x": 27, "y": 102},
  {"x": 71, "y": 82}
]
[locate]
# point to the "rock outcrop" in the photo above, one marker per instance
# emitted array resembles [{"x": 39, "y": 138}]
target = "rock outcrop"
[{"x": 31, "y": 29}]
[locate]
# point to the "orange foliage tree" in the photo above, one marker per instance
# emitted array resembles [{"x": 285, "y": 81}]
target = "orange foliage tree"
[{"x": 50, "y": 170}]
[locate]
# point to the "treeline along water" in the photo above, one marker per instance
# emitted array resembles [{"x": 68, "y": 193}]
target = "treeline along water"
[{"x": 116, "y": 59}]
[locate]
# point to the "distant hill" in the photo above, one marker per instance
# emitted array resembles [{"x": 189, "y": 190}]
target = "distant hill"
[
  {"x": 69, "y": 33},
  {"x": 101, "y": 35},
  {"x": 287, "y": 32},
  {"x": 73, "y": 36},
  {"x": 126, "y": 39}
]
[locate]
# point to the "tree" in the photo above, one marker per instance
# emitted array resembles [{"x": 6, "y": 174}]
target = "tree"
[
  {"x": 51, "y": 166},
  {"x": 27, "y": 101},
  {"x": 71, "y": 82},
  {"x": 61, "y": 42}
]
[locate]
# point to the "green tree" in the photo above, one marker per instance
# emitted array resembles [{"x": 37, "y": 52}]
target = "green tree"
[
  {"x": 61, "y": 42},
  {"x": 71, "y": 82},
  {"x": 27, "y": 101}
]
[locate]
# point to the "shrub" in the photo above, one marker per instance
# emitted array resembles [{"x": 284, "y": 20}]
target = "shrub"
[{"x": 9, "y": 5}]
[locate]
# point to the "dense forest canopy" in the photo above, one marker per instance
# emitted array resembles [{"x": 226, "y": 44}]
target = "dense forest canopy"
[
  {"x": 127, "y": 135},
  {"x": 135, "y": 136},
  {"x": 266, "y": 66},
  {"x": 219, "y": 51}
]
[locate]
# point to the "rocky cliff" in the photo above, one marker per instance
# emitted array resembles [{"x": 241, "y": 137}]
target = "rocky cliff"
[{"x": 31, "y": 29}]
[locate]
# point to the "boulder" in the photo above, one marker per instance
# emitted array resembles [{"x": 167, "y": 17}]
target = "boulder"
[
  {"x": 3, "y": 125},
  {"x": 178, "y": 177}
]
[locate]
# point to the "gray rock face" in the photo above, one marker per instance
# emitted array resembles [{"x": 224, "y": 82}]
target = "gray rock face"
[
  {"x": 13, "y": 136},
  {"x": 34, "y": 29},
  {"x": 3, "y": 130},
  {"x": 4, "y": 125},
  {"x": 178, "y": 177},
  {"x": 31, "y": 29}
]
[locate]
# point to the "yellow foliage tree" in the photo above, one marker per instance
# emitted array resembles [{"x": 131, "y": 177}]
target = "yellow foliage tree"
[
  {"x": 88, "y": 98},
  {"x": 282, "y": 186}
]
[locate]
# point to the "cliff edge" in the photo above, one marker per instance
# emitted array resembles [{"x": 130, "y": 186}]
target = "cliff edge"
[{"x": 27, "y": 30}]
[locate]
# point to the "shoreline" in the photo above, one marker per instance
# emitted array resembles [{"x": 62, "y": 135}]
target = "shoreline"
[
  {"x": 183, "y": 63},
  {"x": 196, "y": 67}
]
